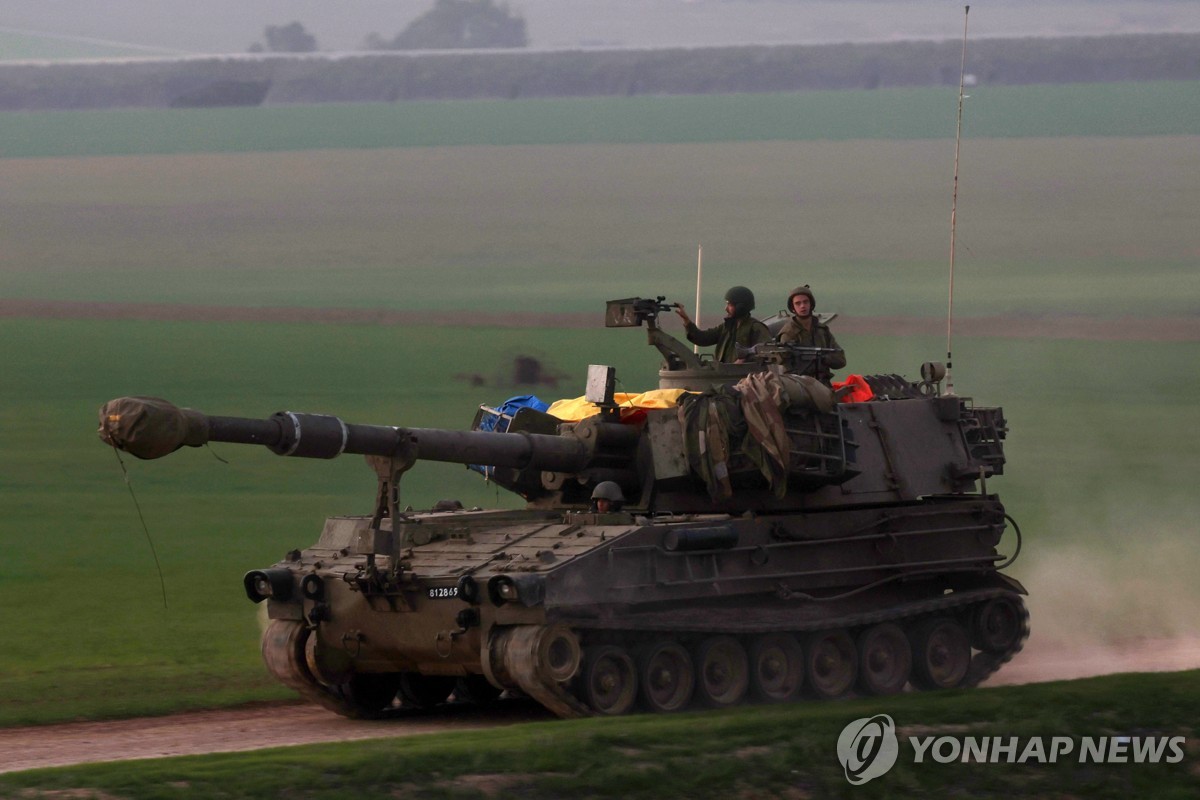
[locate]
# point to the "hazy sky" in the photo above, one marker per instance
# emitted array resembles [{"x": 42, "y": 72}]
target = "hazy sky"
[{"x": 232, "y": 25}]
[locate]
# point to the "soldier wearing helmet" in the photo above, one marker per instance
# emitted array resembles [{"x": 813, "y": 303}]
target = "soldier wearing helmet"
[
  {"x": 606, "y": 497},
  {"x": 806, "y": 329},
  {"x": 738, "y": 329}
]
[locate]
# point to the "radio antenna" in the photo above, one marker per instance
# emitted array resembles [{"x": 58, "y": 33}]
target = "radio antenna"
[
  {"x": 699, "y": 265},
  {"x": 962, "y": 76}
]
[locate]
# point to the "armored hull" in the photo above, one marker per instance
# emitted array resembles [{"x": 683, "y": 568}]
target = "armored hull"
[{"x": 594, "y": 613}]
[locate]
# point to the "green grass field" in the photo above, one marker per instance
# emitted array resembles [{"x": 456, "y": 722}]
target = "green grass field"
[
  {"x": 1060, "y": 187},
  {"x": 1101, "y": 226},
  {"x": 1165, "y": 108},
  {"x": 1099, "y": 222}
]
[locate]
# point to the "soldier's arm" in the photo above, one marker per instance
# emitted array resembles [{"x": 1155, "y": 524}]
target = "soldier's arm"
[
  {"x": 693, "y": 333},
  {"x": 835, "y": 360},
  {"x": 704, "y": 338}
]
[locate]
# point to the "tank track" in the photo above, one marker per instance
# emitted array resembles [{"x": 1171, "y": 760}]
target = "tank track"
[
  {"x": 526, "y": 663},
  {"x": 539, "y": 659},
  {"x": 283, "y": 652},
  {"x": 982, "y": 665}
]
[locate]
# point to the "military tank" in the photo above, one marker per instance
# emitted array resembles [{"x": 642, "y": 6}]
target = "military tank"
[{"x": 777, "y": 539}]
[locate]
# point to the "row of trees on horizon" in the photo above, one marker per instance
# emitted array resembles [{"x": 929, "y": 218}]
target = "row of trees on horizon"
[
  {"x": 449, "y": 25},
  {"x": 390, "y": 77}
]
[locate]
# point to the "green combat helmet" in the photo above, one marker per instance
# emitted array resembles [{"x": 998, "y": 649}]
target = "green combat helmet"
[
  {"x": 608, "y": 490},
  {"x": 611, "y": 493},
  {"x": 742, "y": 300},
  {"x": 804, "y": 290}
]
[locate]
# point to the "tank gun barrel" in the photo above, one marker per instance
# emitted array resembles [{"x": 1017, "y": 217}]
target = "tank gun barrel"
[{"x": 149, "y": 427}]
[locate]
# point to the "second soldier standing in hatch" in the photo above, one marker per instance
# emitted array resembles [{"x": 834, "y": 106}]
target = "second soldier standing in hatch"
[
  {"x": 806, "y": 329},
  {"x": 738, "y": 329}
]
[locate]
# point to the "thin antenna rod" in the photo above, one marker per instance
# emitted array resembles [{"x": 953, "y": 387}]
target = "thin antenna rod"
[
  {"x": 962, "y": 76},
  {"x": 699, "y": 270}
]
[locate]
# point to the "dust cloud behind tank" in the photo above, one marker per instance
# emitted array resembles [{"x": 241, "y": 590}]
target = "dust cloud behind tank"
[{"x": 778, "y": 537}]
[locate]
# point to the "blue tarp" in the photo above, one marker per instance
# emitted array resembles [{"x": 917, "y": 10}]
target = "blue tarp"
[
  {"x": 504, "y": 412},
  {"x": 497, "y": 420}
]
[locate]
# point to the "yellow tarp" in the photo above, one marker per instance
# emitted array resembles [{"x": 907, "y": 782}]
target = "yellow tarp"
[{"x": 577, "y": 408}]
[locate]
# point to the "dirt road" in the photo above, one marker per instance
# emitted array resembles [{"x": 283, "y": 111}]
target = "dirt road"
[
  {"x": 231, "y": 730},
  {"x": 223, "y": 731}
]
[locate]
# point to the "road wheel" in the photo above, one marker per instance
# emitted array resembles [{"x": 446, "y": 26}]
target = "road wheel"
[
  {"x": 831, "y": 663},
  {"x": 722, "y": 671},
  {"x": 666, "y": 676},
  {"x": 998, "y": 624},
  {"x": 884, "y": 659},
  {"x": 610, "y": 683},
  {"x": 941, "y": 653},
  {"x": 776, "y": 667}
]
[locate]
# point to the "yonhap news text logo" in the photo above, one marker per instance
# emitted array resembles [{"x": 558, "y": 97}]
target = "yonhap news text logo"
[{"x": 869, "y": 747}]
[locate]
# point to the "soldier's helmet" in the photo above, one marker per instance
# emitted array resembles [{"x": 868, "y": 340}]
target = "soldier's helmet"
[
  {"x": 812, "y": 300},
  {"x": 742, "y": 300},
  {"x": 608, "y": 490}
]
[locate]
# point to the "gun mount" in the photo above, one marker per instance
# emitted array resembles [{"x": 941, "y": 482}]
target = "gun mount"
[{"x": 773, "y": 541}]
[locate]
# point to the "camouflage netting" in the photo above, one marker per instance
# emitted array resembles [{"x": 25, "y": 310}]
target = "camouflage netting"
[{"x": 150, "y": 427}]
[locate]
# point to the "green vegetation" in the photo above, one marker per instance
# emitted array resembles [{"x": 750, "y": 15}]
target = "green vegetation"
[
  {"x": 289, "y": 38},
  {"x": 1167, "y": 108},
  {"x": 1099, "y": 226},
  {"x": 778, "y": 751},
  {"x": 456, "y": 25},
  {"x": 653, "y": 72}
]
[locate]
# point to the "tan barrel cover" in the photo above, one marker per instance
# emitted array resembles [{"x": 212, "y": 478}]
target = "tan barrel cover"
[{"x": 150, "y": 427}]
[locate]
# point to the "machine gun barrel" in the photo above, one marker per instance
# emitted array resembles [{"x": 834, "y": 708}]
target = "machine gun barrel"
[{"x": 152, "y": 428}]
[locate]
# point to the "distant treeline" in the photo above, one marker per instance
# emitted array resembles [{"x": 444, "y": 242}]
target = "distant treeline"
[{"x": 391, "y": 77}]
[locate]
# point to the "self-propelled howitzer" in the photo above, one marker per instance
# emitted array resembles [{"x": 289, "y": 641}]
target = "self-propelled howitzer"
[{"x": 772, "y": 541}]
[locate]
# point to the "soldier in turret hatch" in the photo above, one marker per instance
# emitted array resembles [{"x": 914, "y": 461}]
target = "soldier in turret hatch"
[
  {"x": 807, "y": 330},
  {"x": 738, "y": 329},
  {"x": 607, "y": 497}
]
